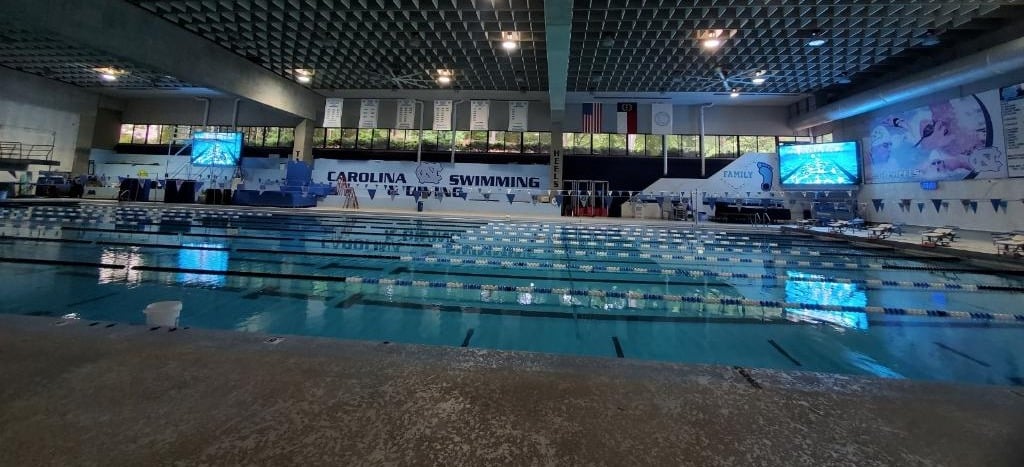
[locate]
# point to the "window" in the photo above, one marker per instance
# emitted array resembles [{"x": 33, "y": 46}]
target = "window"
[
  {"x": 748, "y": 144},
  {"x": 380, "y": 139},
  {"x": 319, "y": 137},
  {"x": 364, "y": 139},
  {"x": 255, "y": 136},
  {"x": 794, "y": 139},
  {"x": 513, "y": 141},
  {"x": 654, "y": 145},
  {"x": 478, "y": 141},
  {"x": 444, "y": 140},
  {"x": 531, "y": 142},
  {"x": 682, "y": 145},
  {"x": 728, "y": 145},
  {"x": 287, "y": 137},
  {"x": 617, "y": 145},
  {"x": 825, "y": 138},
  {"x": 126, "y": 133},
  {"x": 272, "y": 137},
  {"x": 766, "y": 144},
  {"x": 348, "y": 138},
  {"x": 635, "y": 144},
  {"x": 462, "y": 139},
  {"x": 334, "y": 138},
  {"x": 599, "y": 143},
  {"x": 711, "y": 145},
  {"x": 496, "y": 141}
]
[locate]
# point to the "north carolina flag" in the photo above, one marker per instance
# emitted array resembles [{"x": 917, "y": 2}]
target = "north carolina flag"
[
  {"x": 592, "y": 118},
  {"x": 625, "y": 116}
]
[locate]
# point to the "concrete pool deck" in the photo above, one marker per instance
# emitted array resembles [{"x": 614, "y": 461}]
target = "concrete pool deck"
[{"x": 82, "y": 394}]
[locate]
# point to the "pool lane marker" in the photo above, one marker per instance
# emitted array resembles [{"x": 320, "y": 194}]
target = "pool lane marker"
[
  {"x": 469, "y": 335},
  {"x": 618, "y": 347},
  {"x": 746, "y": 376},
  {"x": 784, "y": 352},
  {"x": 962, "y": 354}
]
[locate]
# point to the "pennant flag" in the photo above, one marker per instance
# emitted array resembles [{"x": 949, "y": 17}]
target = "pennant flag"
[
  {"x": 974, "y": 206},
  {"x": 487, "y": 196},
  {"x": 511, "y": 197},
  {"x": 534, "y": 198},
  {"x": 937, "y": 203},
  {"x": 607, "y": 201},
  {"x": 996, "y": 202},
  {"x": 372, "y": 192},
  {"x": 559, "y": 198},
  {"x": 416, "y": 194},
  {"x": 966, "y": 203},
  {"x": 625, "y": 117},
  {"x": 1005, "y": 204},
  {"x": 592, "y": 118},
  {"x": 920, "y": 207},
  {"x": 878, "y": 204},
  {"x": 464, "y": 194}
]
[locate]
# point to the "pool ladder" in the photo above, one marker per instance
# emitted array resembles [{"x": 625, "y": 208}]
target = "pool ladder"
[{"x": 760, "y": 220}]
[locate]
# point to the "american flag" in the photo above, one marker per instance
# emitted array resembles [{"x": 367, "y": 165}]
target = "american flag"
[{"x": 591, "y": 118}]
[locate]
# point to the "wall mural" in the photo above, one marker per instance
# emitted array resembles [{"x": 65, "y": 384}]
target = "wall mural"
[{"x": 957, "y": 139}]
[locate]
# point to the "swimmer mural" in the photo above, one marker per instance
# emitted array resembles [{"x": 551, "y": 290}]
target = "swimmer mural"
[{"x": 957, "y": 139}]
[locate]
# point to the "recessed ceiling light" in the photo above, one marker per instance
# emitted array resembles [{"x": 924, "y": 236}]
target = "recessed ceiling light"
[
  {"x": 711, "y": 43},
  {"x": 305, "y": 79},
  {"x": 109, "y": 74},
  {"x": 445, "y": 77},
  {"x": 816, "y": 42},
  {"x": 303, "y": 75},
  {"x": 509, "y": 45},
  {"x": 108, "y": 77},
  {"x": 735, "y": 93}
]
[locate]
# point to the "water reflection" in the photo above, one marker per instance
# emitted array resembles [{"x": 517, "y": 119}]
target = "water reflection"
[
  {"x": 814, "y": 289},
  {"x": 211, "y": 260},
  {"x": 129, "y": 257}
]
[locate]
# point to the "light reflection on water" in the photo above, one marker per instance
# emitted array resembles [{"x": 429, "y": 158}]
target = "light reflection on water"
[
  {"x": 819, "y": 292},
  {"x": 211, "y": 260},
  {"x": 130, "y": 257}
]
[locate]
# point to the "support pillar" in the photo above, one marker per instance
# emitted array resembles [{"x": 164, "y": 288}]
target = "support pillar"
[{"x": 303, "y": 150}]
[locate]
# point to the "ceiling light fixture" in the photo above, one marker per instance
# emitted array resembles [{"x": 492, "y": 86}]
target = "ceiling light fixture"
[
  {"x": 816, "y": 42},
  {"x": 759, "y": 78},
  {"x": 445, "y": 77},
  {"x": 303, "y": 75},
  {"x": 712, "y": 39},
  {"x": 758, "y": 81},
  {"x": 109, "y": 74},
  {"x": 510, "y": 41},
  {"x": 735, "y": 93},
  {"x": 711, "y": 43}
]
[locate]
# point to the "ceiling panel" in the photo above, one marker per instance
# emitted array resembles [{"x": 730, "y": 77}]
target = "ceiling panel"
[{"x": 373, "y": 44}]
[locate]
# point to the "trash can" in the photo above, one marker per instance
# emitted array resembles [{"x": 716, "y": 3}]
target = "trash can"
[
  {"x": 702, "y": 216},
  {"x": 163, "y": 313},
  {"x": 419, "y": 206}
]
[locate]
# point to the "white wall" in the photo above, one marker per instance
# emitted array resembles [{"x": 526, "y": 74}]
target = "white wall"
[
  {"x": 43, "y": 111},
  {"x": 718, "y": 120},
  {"x": 189, "y": 111},
  {"x": 986, "y": 219}
]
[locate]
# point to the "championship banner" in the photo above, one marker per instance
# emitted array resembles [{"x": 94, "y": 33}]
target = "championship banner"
[
  {"x": 332, "y": 112},
  {"x": 443, "y": 115},
  {"x": 405, "y": 115},
  {"x": 479, "y": 115},
  {"x": 368, "y": 111},
  {"x": 407, "y": 178},
  {"x": 517, "y": 113},
  {"x": 1012, "y": 104},
  {"x": 661, "y": 119}
]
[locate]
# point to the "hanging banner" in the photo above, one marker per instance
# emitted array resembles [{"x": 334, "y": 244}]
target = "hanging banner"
[
  {"x": 368, "y": 111},
  {"x": 332, "y": 112},
  {"x": 661, "y": 119},
  {"x": 517, "y": 111},
  {"x": 479, "y": 115},
  {"x": 443, "y": 115},
  {"x": 405, "y": 116},
  {"x": 956, "y": 139},
  {"x": 1012, "y": 100}
]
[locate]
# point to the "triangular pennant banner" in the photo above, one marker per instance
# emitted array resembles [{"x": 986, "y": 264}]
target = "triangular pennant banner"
[
  {"x": 937, "y": 203},
  {"x": 487, "y": 196},
  {"x": 1004, "y": 204},
  {"x": 372, "y": 192},
  {"x": 607, "y": 201},
  {"x": 559, "y": 198},
  {"x": 511, "y": 197},
  {"x": 920, "y": 207},
  {"x": 416, "y": 194},
  {"x": 877, "y": 203},
  {"x": 996, "y": 202},
  {"x": 464, "y": 194},
  {"x": 966, "y": 203},
  {"x": 974, "y": 206}
]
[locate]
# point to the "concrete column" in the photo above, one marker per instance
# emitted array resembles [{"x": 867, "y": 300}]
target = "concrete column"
[
  {"x": 304, "y": 141},
  {"x": 83, "y": 144}
]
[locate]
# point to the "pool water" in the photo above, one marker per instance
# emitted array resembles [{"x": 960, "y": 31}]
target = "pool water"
[{"x": 694, "y": 294}]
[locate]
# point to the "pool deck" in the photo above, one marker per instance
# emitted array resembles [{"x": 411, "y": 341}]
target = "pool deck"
[{"x": 76, "y": 394}]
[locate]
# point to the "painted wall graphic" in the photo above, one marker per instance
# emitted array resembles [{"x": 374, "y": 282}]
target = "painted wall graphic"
[{"x": 957, "y": 139}]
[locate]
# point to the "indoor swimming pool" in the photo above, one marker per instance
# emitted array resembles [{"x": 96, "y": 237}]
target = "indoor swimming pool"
[{"x": 701, "y": 294}]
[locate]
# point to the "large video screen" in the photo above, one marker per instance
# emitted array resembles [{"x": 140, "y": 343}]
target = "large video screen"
[
  {"x": 818, "y": 164},
  {"x": 212, "y": 149}
]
